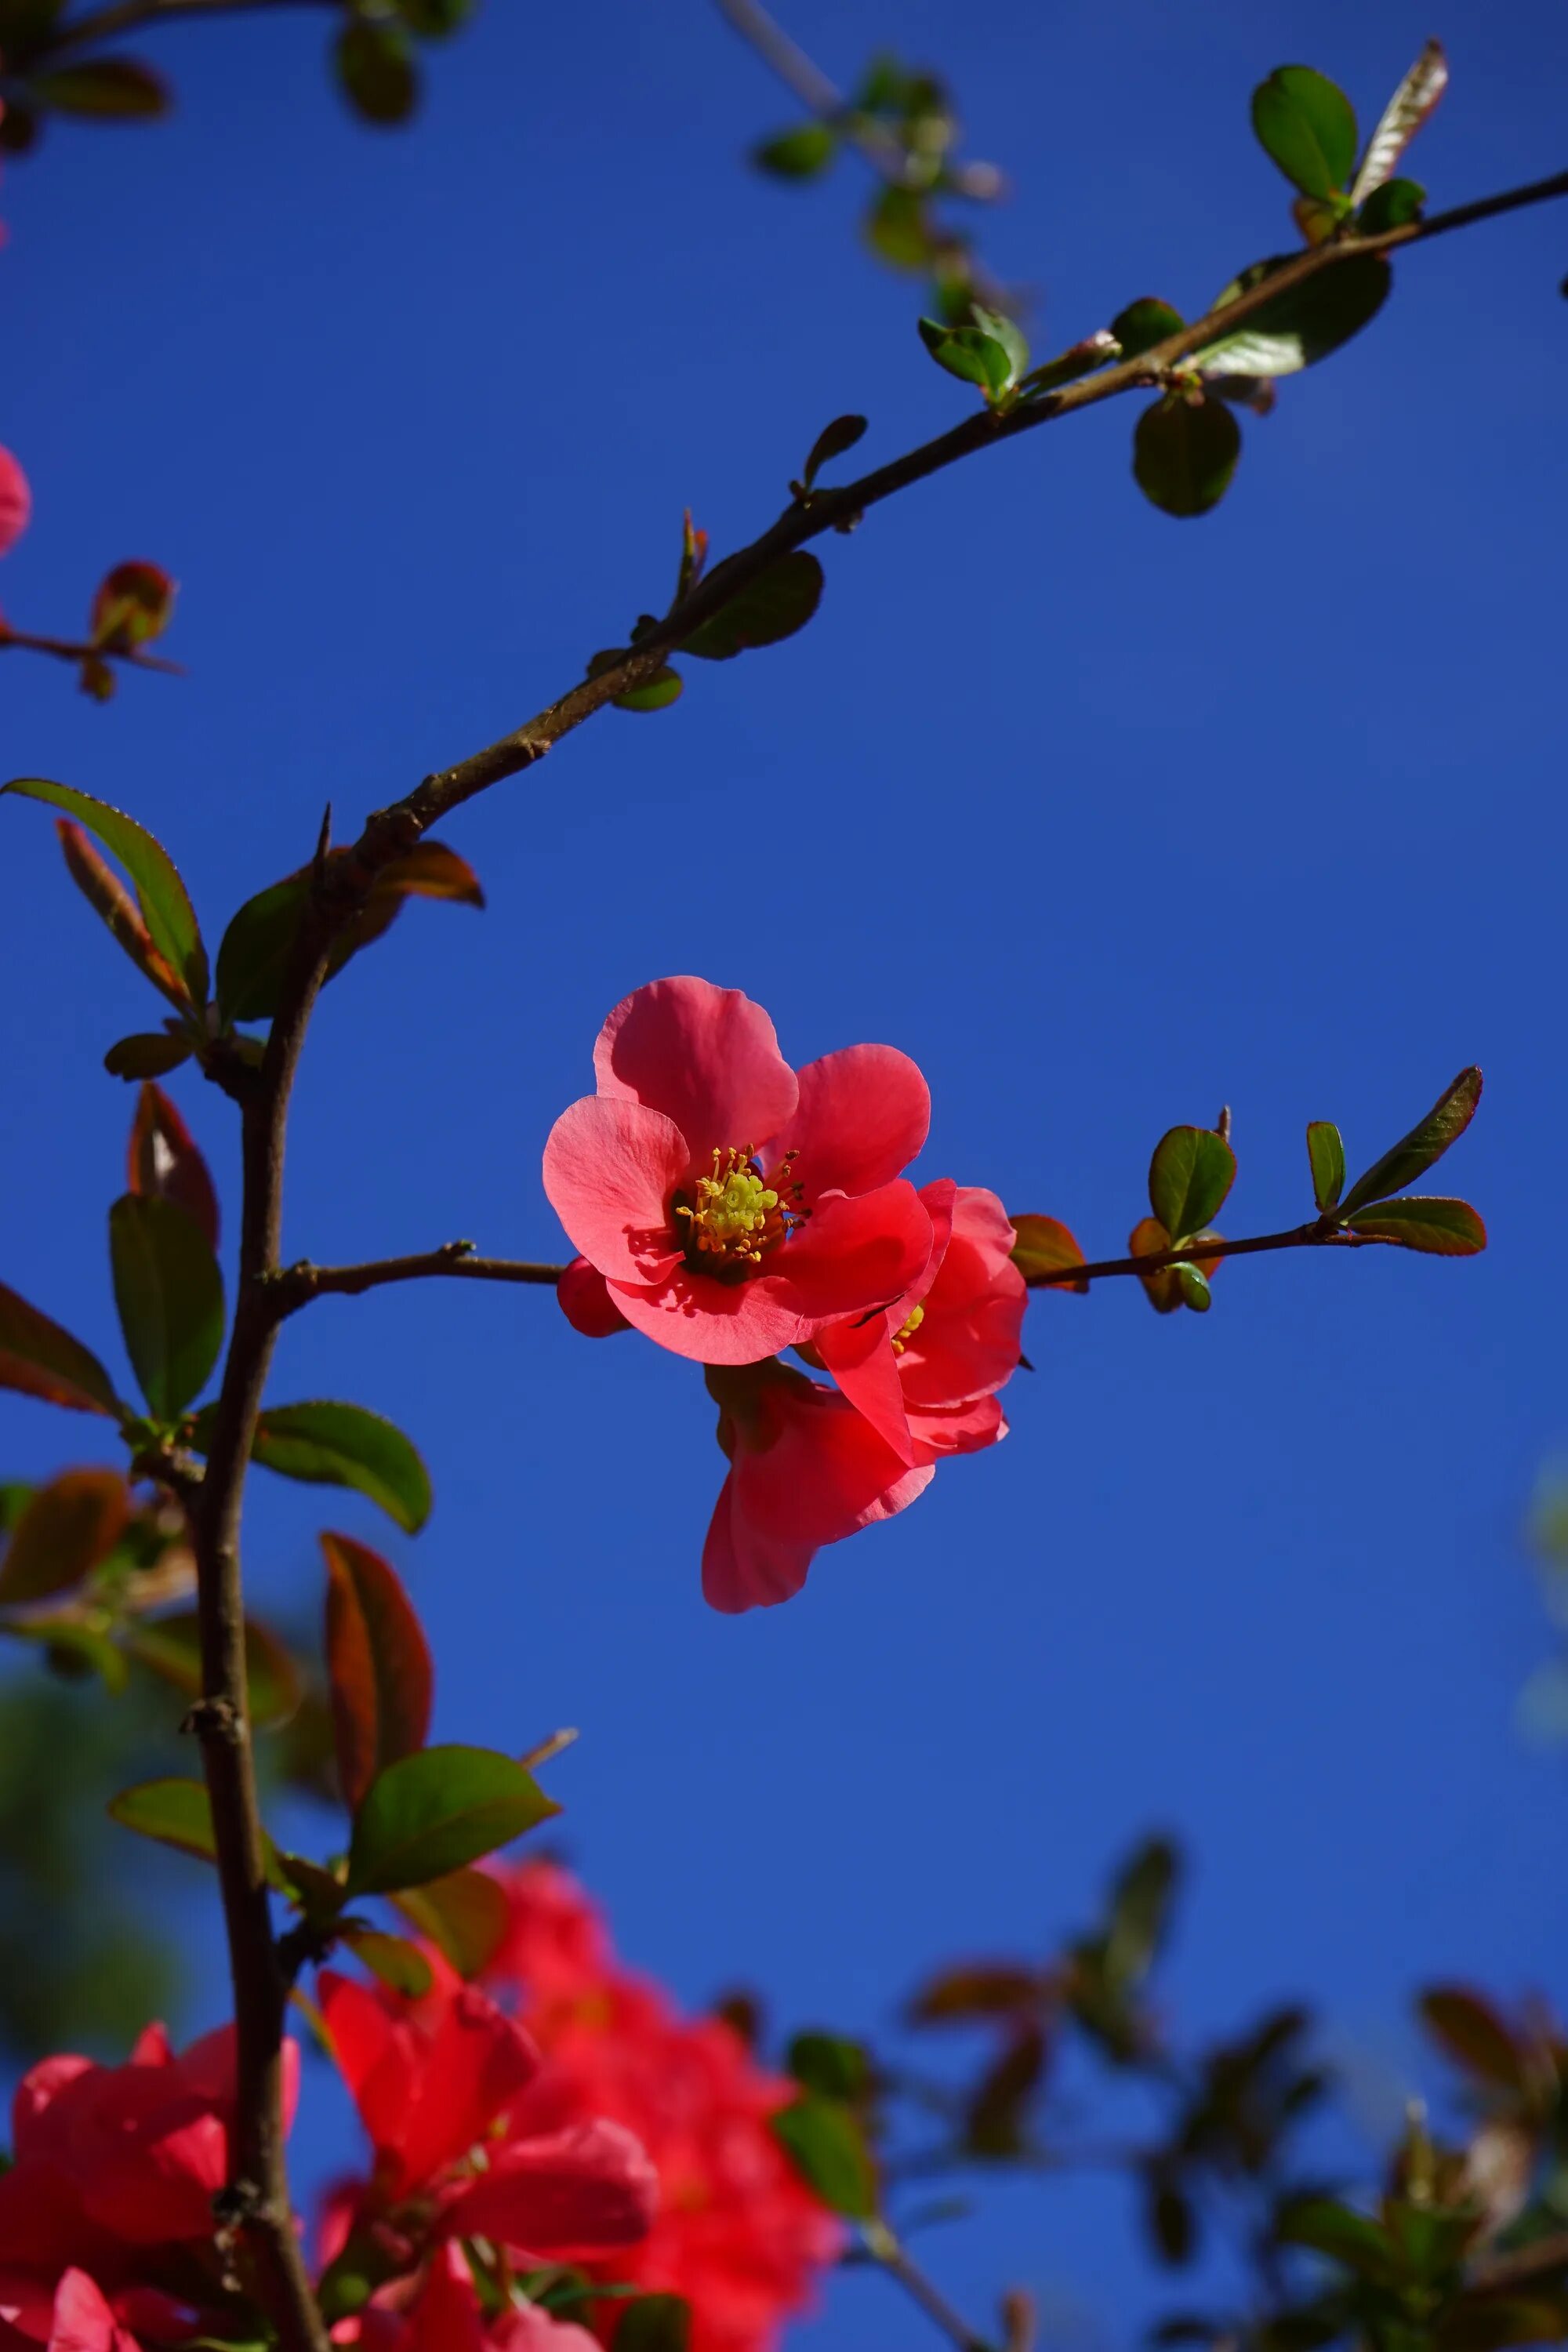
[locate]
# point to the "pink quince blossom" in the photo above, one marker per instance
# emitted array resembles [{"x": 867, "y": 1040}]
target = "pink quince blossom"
[{"x": 16, "y": 501}]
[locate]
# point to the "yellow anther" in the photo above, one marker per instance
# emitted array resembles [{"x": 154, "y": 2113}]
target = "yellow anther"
[{"x": 907, "y": 1330}]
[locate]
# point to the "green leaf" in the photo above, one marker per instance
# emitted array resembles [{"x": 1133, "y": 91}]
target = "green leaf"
[
  {"x": 969, "y": 353},
  {"x": 1346, "y": 2237},
  {"x": 317, "y": 1891},
  {"x": 253, "y": 954},
  {"x": 654, "y": 2323},
  {"x": 1045, "y": 1247},
  {"x": 435, "y": 20},
  {"x": 73, "y": 1648},
  {"x": 166, "y": 908},
  {"x": 174, "y": 1812},
  {"x": 831, "y": 2066},
  {"x": 151, "y": 1054},
  {"x": 1141, "y": 1901},
  {"x": 1184, "y": 451},
  {"x": 400, "y": 1965},
  {"x": 1302, "y": 325},
  {"x": 1472, "y": 2033},
  {"x": 1307, "y": 125},
  {"x": 828, "y": 2148},
  {"x": 169, "y": 1292},
  {"x": 172, "y": 1647},
  {"x": 833, "y": 441},
  {"x": 66, "y": 1529},
  {"x": 897, "y": 230},
  {"x": 106, "y": 88},
  {"x": 771, "y": 608},
  {"x": 376, "y": 72},
  {"x": 378, "y": 1665},
  {"x": 664, "y": 687},
  {"x": 1192, "y": 1284},
  {"x": 1438, "y": 1228},
  {"x": 324, "y": 1444},
  {"x": 1005, "y": 331},
  {"x": 38, "y": 1359},
  {"x": 801, "y": 153},
  {"x": 1190, "y": 1176},
  {"x": 1392, "y": 204},
  {"x": 1144, "y": 324},
  {"x": 465, "y": 1916},
  {"x": 1423, "y": 1145},
  {"x": 1326, "y": 1152},
  {"x": 1402, "y": 118},
  {"x": 430, "y": 1813}
]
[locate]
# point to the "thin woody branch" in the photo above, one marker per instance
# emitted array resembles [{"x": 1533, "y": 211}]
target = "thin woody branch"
[
  {"x": 1322, "y": 1234},
  {"x": 108, "y": 23},
  {"x": 73, "y": 649},
  {"x": 295, "y": 1286}
]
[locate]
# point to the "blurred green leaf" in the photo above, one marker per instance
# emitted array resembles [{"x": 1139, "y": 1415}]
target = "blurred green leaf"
[
  {"x": 831, "y": 2065},
  {"x": 464, "y": 1915},
  {"x": 771, "y": 608},
  {"x": 997, "y": 2114},
  {"x": 165, "y": 909},
  {"x": 401, "y": 1966},
  {"x": 169, "y": 1292},
  {"x": 37, "y": 1358},
  {"x": 1141, "y": 1897},
  {"x": 1184, "y": 451},
  {"x": 1348, "y": 2238},
  {"x": 151, "y": 1054},
  {"x": 436, "y": 20},
  {"x": 66, "y": 1530},
  {"x": 1307, "y": 125},
  {"x": 1423, "y": 1145},
  {"x": 106, "y": 89},
  {"x": 975, "y": 1989},
  {"x": 898, "y": 231},
  {"x": 1326, "y": 1153},
  {"x": 1392, "y": 204},
  {"x": 376, "y": 72},
  {"x": 654, "y": 2323},
  {"x": 1144, "y": 324},
  {"x": 172, "y": 1647},
  {"x": 1190, "y": 1177},
  {"x": 801, "y": 152},
  {"x": 1304, "y": 323},
  {"x": 430, "y": 1813},
  {"x": 174, "y": 1812},
  {"x": 824, "y": 2142}
]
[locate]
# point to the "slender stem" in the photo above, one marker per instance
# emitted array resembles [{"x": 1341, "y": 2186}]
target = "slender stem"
[
  {"x": 294, "y": 1286},
  {"x": 886, "y": 2251},
  {"x": 1319, "y": 1235},
  {"x": 72, "y": 650},
  {"x": 130, "y": 16}
]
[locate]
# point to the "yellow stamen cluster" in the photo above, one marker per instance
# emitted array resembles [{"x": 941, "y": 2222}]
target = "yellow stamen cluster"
[
  {"x": 907, "y": 1330},
  {"x": 736, "y": 1215}
]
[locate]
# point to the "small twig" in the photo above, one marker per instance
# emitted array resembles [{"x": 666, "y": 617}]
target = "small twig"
[
  {"x": 70, "y": 649},
  {"x": 131, "y": 16},
  {"x": 294, "y": 1286},
  {"x": 1319, "y": 1235},
  {"x": 885, "y": 2250},
  {"x": 549, "y": 1749}
]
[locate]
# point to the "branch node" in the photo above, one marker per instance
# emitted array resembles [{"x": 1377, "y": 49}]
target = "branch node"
[{"x": 215, "y": 1718}]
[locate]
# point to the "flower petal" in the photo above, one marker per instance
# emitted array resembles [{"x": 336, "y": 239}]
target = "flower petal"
[
  {"x": 748, "y": 1568},
  {"x": 569, "y": 2193},
  {"x": 969, "y": 1339},
  {"x": 852, "y": 1254},
  {"x": 713, "y": 1322},
  {"x": 864, "y": 1114},
  {"x": 83, "y": 2321},
  {"x": 859, "y": 1355},
  {"x": 958, "y": 1428},
  {"x": 706, "y": 1057},
  {"x": 609, "y": 1169}
]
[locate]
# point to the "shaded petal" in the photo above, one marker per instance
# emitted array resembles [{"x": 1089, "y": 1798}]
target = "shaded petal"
[
  {"x": 447, "y": 2317},
  {"x": 859, "y": 1355},
  {"x": 864, "y": 1114},
  {"x": 852, "y": 1254},
  {"x": 83, "y": 2321},
  {"x": 968, "y": 1342},
  {"x": 822, "y": 1476},
  {"x": 37, "y": 2092},
  {"x": 959, "y": 1428},
  {"x": 572, "y": 2193},
  {"x": 609, "y": 1171},
  {"x": 476, "y": 2060},
  {"x": 749, "y": 1568},
  {"x": 706, "y": 1057},
  {"x": 713, "y": 1322},
  {"x": 585, "y": 1300}
]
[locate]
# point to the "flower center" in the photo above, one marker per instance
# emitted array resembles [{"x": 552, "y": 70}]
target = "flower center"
[
  {"x": 736, "y": 1215},
  {"x": 907, "y": 1330}
]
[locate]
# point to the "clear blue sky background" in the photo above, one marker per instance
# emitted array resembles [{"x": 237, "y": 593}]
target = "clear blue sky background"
[{"x": 1106, "y": 819}]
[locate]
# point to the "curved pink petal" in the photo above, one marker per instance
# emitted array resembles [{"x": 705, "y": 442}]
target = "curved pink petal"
[
  {"x": 572, "y": 2193},
  {"x": 958, "y": 1428},
  {"x": 609, "y": 1169},
  {"x": 706, "y": 1057},
  {"x": 16, "y": 501},
  {"x": 711, "y": 1322},
  {"x": 83, "y": 2321},
  {"x": 747, "y": 1567},
  {"x": 822, "y": 1475},
  {"x": 855, "y": 1254},
  {"x": 585, "y": 1300},
  {"x": 447, "y": 2317},
  {"x": 859, "y": 1355},
  {"x": 864, "y": 1114},
  {"x": 970, "y": 1337}
]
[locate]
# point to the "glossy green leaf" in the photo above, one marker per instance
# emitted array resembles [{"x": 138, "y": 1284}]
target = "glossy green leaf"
[
  {"x": 378, "y": 1665},
  {"x": 1303, "y": 324},
  {"x": 169, "y": 1292},
  {"x": 969, "y": 353},
  {"x": 465, "y": 1916},
  {"x": 654, "y": 2323},
  {"x": 401, "y": 1966},
  {"x": 1009, "y": 333},
  {"x": 1360, "y": 2245},
  {"x": 431, "y": 1813},
  {"x": 1392, "y": 204},
  {"x": 824, "y": 2142},
  {"x": 801, "y": 152},
  {"x": 1402, "y": 118},
  {"x": 831, "y": 2066},
  {"x": 1438, "y": 1228},
  {"x": 1184, "y": 451},
  {"x": 1190, "y": 1177},
  {"x": 115, "y": 907},
  {"x": 376, "y": 72},
  {"x": 151, "y": 1054},
  {"x": 771, "y": 608},
  {"x": 833, "y": 441},
  {"x": 67, "y": 1529},
  {"x": 325, "y": 1443},
  {"x": 664, "y": 687},
  {"x": 1045, "y": 1247},
  {"x": 1144, "y": 324},
  {"x": 1326, "y": 1153},
  {"x": 105, "y": 89},
  {"x": 1192, "y": 1284},
  {"x": 253, "y": 954},
  {"x": 1307, "y": 125},
  {"x": 172, "y": 1647},
  {"x": 1423, "y": 1145},
  {"x": 38, "y": 1359},
  {"x": 166, "y": 908},
  {"x": 164, "y": 1161}
]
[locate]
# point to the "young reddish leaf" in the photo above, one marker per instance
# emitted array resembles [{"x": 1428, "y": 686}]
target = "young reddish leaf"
[
  {"x": 824, "y": 2141},
  {"x": 40, "y": 1359},
  {"x": 65, "y": 1531},
  {"x": 112, "y": 903},
  {"x": 429, "y": 1814},
  {"x": 465, "y": 1916},
  {"x": 1184, "y": 451},
  {"x": 116, "y": 89},
  {"x": 998, "y": 2110},
  {"x": 1148, "y": 1239},
  {"x": 165, "y": 1164},
  {"x": 1307, "y": 125},
  {"x": 378, "y": 1665},
  {"x": 172, "y": 1647},
  {"x": 169, "y": 1292},
  {"x": 1043, "y": 1248},
  {"x": 1423, "y": 1145},
  {"x": 401, "y": 1966},
  {"x": 1437, "y": 1227},
  {"x": 151, "y": 1053},
  {"x": 1326, "y": 1152},
  {"x": 1190, "y": 1177},
  {"x": 133, "y": 603},
  {"x": 1474, "y": 2034},
  {"x": 1402, "y": 118},
  {"x": 166, "y": 909},
  {"x": 976, "y": 1989},
  {"x": 773, "y": 606}
]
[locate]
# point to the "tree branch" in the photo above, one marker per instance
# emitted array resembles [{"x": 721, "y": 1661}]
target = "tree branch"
[
  {"x": 1322, "y": 1234},
  {"x": 72, "y": 650},
  {"x": 130, "y": 16},
  {"x": 294, "y": 1286}
]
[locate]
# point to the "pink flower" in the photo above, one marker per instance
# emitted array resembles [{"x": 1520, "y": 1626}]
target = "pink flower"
[
  {"x": 16, "y": 501},
  {"x": 444, "y": 2314},
  {"x": 734, "y": 1206},
  {"x": 806, "y": 1468},
  {"x": 925, "y": 1372}
]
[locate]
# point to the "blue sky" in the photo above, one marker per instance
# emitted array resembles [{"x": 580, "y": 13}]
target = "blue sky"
[{"x": 1104, "y": 818}]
